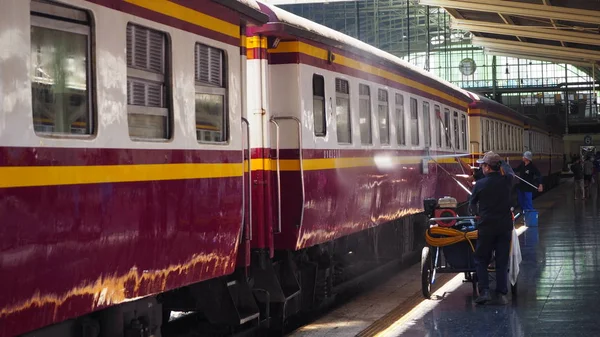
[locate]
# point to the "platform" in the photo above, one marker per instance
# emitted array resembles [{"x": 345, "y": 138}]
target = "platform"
[{"x": 559, "y": 288}]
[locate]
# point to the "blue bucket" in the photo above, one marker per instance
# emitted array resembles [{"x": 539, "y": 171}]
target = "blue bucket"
[{"x": 531, "y": 218}]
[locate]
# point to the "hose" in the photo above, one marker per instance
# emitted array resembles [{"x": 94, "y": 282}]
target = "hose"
[{"x": 450, "y": 236}]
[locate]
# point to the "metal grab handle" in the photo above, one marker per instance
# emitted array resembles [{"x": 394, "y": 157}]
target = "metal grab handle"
[
  {"x": 245, "y": 121},
  {"x": 300, "y": 158},
  {"x": 454, "y": 218},
  {"x": 278, "y": 173}
]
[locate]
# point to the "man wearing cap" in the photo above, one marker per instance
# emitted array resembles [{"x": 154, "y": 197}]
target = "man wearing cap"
[
  {"x": 531, "y": 177},
  {"x": 492, "y": 195}
]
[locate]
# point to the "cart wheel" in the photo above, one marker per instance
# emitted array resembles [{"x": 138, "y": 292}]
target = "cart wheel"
[
  {"x": 426, "y": 272},
  {"x": 513, "y": 288}
]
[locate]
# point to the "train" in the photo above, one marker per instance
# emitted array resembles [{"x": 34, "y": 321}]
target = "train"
[
  {"x": 495, "y": 127},
  {"x": 226, "y": 159}
]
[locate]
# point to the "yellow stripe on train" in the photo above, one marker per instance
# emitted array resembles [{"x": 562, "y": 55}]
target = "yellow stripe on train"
[
  {"x": 29, "y": 176},
  {"x": 189, "y": 15}
]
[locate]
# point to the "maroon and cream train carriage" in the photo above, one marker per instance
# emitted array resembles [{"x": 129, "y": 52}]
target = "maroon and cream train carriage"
[
  {"x": 109, "y": 195},
  {"x": 342, "y": 162},
  {"x": 547, "y": 148},
  {"x": 496, "y": 127}
]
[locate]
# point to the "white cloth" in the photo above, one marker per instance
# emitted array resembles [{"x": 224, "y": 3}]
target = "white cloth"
[{"x": 515, "y": 258}]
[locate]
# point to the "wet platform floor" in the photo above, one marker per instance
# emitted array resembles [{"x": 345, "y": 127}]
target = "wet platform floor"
[{"x": 558, "y": 288}]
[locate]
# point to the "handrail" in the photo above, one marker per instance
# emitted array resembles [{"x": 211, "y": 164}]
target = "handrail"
[
  {"x": 278, "y": 172},
  {"x": 300, "y": 159},
  {"x": 454, "y": 218},
  {"x": 245, "y": 121}
]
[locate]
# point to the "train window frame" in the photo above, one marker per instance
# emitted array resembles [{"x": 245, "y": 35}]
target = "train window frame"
[
  {"x": 497, "y": 133},
  {"x": 364, "y": 102},
  {"x": 490, "y": 134},
  {"x": 340, "y": 95},
  {"x": 510, "y": 138},
  {"x": 456, "y": 130},
  {"x": 74, "y": 21},
  {"x": 487, "y": 135},
  {"x": 506, "y": 137},
  {"x": 426, "y": 124},
  {"x": 502, "y": 138},
  {"x": 482, "y": 133},
  {"x": 437, "y": 110},
  {"x": 414, "y": 122},
  {"x": 516, "y": 138},
  {"x": 448, "y": 143},
  {"x": 136, "y": 73},
  {"x": 205, "y": 87},
  {"x": 383, "y": 107},
  {"x": 400, "y": 119},
  {"x": 463, "y": 130},
  {"x": 316, "y": 98}
]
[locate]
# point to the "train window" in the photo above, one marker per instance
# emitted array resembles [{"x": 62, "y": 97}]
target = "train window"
[
  {"x": 510, "y": 138},
  {"x": 497, "y": 135},
  {"x": 515, "y": 136},
  {"x": 515, "y": 139},
  {"x": 147, "y": 113},
  {"x": 426, "y": 124},
  {"x": 61, "y": 70},
  {"x": 502, "y": 138},
  {"x": 487, "y": 135},
  {"x": 521, "y": 135},
  {"x": 482, "y": 132},
  {"x": 211, "y": 94},
  {"x": 342, "y": 111},
  {"x": 400, "y": 130},
  {"x": 318, "y": 85},
  {"x": 463, "y": 130},
  {"x": 414, "y": 122},
  {"x": 447, "y": 128},
  {"x": 456, "y": 131},
  {"x": 491, "y": 135},
  {"x": 384, "y": 117},
  {"x": 364, "y": 107},
  {"x": 438, "y": 122}
]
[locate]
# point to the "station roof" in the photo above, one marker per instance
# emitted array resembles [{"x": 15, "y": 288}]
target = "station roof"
[{"x": 558, "y": 31}]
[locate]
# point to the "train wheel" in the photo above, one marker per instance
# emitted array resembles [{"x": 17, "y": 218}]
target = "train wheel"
[{"x": 426, "y": 272}]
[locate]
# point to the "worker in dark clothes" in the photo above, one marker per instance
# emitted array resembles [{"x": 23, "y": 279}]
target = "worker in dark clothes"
[
  {"x": 577, "y": 169},
  {"x": 492, "y": 196},
  {"x": 478, "y": 174},
  {"x": 528, "y": 172},
  {"x": 597, "y": 170}
]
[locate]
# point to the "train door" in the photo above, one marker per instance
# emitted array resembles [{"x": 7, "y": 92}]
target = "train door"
[{"x": 286, "y": 144}]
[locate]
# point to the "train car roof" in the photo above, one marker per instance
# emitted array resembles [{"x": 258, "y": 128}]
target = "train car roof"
[
  {"x": 250, "y": 8},
  {"x": 304, "y": 28},
  {"x": 480, "y": 102}
]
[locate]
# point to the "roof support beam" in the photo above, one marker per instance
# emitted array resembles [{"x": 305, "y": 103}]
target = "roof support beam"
[
  {"x": 536, "y": 32},
  {"x": 509, "y": 21},
  {"x": 588, "y": 56},
  {"x": 520, "y": 9},
  {"x": 511, "y": 53},
  {"x": 547, "y": 3}
]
